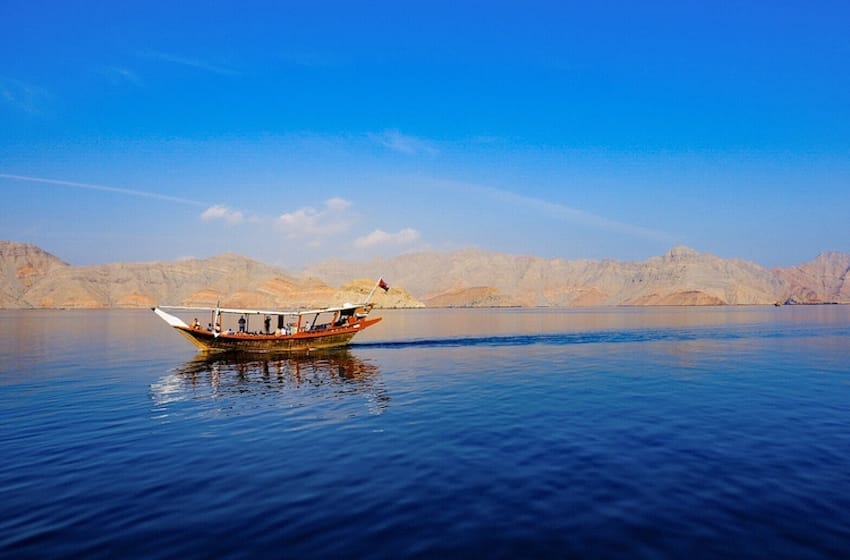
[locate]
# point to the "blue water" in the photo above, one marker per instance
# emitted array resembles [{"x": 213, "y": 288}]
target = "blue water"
[{"x": 612, "y": 433}]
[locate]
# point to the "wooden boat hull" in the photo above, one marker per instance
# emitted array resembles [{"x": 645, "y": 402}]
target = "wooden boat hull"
[{"x": 261, "y": 343}]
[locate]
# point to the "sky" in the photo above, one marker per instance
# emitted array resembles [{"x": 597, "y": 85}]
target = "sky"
[{"x": 293, "y": 132}]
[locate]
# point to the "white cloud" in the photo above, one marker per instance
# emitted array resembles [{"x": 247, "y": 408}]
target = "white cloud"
[
  {"x": 312, "y": 59},
  {"x": 308, "y": 222},
  {"x": 574, "y": 215},
  {"x": 103, "y": 188},
  {"x": 337, "y": 204},
  {"x": 561, "y": 212},
  {"x": 118, "y": 75},
  {"x": 404, "y": 143},
  {"x": 378, "y": 237},
  {"x": 22, "y": 96},
  {"x": 195, "y": 63},
  {"x": 219, "y": 212}
]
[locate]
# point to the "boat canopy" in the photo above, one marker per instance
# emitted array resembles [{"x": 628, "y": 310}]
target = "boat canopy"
[{"x": 346, "y": 307}]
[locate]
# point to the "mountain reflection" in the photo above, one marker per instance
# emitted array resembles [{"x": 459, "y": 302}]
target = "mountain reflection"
[{"x": 253, "y": 376}]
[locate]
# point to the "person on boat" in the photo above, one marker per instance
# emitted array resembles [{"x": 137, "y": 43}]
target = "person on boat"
[
  {"x": 196, "y": 324},
  {"x": 242, "y": 324},
  {"x": 268, "y": 323}
]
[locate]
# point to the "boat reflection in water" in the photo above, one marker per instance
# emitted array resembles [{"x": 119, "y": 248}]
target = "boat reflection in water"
[{"x": 286, "y": 380}]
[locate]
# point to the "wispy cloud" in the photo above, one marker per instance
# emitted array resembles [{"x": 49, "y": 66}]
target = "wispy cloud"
[
  {"x": 404, "y": 143},
  {"x": 120, "y": 75},
  {"x": 195, "y": 63},
  {"x": 567, "y": 213},
  {"x": 22, "y": 96},
  {"x": 562, "y": 212},
  {"x": 311, "y": 223},
  {"x": 311, "y": 59},
  {"x": 487, "y": 140},
  {"x": 224, "y": 213},
  {"x": 406, "y": 236},
  {"x": 104, "y": 188}
]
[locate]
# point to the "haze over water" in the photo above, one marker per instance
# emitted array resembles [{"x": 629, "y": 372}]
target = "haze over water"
[{"x": 604, "y": 433}]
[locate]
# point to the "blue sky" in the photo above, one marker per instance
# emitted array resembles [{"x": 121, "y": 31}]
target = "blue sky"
[{"x": 293, "y": 132}]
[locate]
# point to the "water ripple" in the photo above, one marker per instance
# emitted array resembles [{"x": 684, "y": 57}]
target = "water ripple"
[
  {"x": 723, "y": 437},
  {"x": 600, "y": 337}
]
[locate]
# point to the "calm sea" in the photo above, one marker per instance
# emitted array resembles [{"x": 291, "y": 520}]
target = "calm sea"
[{"x": 612, "y": 433}]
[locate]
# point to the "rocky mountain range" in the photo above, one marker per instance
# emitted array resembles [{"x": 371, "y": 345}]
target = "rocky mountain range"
[{"x": 33, "y": 278}]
